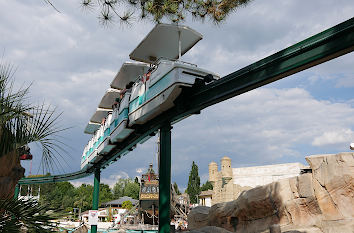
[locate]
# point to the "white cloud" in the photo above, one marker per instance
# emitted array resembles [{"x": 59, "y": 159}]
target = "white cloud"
[
  {"x": 139, "y": 170},
  {"x": 113, "y": 178},
  {"x": 334, "y": 137},
  {"x": 262, "y": 126}
]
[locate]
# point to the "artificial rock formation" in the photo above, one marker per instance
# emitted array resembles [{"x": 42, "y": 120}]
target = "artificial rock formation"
[
  {"x": 11, "y": 172},
  {"x": 317, "y": 202}
]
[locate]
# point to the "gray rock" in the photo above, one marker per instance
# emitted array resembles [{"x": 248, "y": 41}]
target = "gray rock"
[{"x": 198, "y": 217}]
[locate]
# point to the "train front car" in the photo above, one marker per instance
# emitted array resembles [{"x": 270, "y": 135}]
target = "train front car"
[{"x": 156, "y": 90}]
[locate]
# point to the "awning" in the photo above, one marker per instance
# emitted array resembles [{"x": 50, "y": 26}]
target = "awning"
[
  {"x": 129, "y": 72},
  {"x": 163, "y": 41},
  {"x": 109, "y": 98}
]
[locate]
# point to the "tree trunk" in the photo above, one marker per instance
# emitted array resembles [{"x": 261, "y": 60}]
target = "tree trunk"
[{"x": 11, "y": 172}]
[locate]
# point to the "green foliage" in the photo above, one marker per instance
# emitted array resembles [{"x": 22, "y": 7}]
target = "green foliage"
[
  {"x": 207, "y": 186},
  {"x": 193, "y": 188},
  {"x": 132, "y": 190},
  {"x": 157, "y": 10},
  {"x": 105, "y": 193},
  {"x": 18, "y": 214},
  {"x": 127, "y": 205},
  {"x": 175, "y": 187},
  {"x": 83, "y": 198},
  {"x": 126, "y": 187},
  {"x": 64, "y": 196},
  {"x": 118, "y": 189}
]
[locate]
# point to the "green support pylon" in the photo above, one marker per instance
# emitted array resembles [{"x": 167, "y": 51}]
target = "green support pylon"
[
  {"x": 165, "y": 179},
  {"x": 96, "y": 193},
  {"x": 17, "y": 191}
]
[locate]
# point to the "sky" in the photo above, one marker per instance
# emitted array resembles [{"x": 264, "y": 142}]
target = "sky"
[{"x": 69, "y": 60}]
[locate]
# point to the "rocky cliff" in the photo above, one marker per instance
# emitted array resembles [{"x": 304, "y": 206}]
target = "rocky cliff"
[{"x": 321, "y": 201}]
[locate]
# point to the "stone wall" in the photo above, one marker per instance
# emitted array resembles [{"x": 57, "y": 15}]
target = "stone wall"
[
  {"x": 262, "y": 175},
  {"x": 229, "y": 182}
]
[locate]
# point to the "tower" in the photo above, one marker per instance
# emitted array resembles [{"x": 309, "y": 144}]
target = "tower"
[
  {"x": 213, "y": 172},
  {"x": 226, "y": 169}
]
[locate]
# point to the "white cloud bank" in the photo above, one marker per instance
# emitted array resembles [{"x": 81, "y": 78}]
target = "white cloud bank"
[{"x": 264, "y": 126}]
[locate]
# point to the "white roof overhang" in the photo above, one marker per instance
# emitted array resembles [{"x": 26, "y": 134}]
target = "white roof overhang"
[
  {"x": 92, "y": 127},
  {"x": 129, "y": 72},
  {"x": 163, "y": 41},
  {"x": 99, "y": 115},
  {"x": 109, "y": 98}
]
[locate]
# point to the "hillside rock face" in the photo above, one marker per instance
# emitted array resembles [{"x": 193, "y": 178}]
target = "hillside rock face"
[
  {"x": 317, "y": 202},
  {"x": 10, "y": 172}
]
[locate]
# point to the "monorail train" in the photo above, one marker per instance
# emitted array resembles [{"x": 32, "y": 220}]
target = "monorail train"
[{"x": 143, "y": 89}]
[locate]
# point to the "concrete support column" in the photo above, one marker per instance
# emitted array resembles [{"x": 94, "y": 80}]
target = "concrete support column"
[{"x": 165, "y": 179}]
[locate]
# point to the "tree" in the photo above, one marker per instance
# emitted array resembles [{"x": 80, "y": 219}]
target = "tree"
[
  {"x": 105, "y": 193},
  {"x": 157, "y": 10},
  {"x": 126, "y": 187},
  {"x": 127, "y": 205},
  {"x": 175, "y": 187},
  {"x": 118, "y": 189},
  {"x": 207, "y": 186},
  {"x": 132, "y": 190},
  {"x": 193, "y": 188}
]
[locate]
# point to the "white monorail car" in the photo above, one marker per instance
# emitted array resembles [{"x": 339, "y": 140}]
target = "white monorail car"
[{"x": 143, "y": 90}]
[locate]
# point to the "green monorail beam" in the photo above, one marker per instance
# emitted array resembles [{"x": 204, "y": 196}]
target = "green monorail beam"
[{"x": 55, "y": 178}]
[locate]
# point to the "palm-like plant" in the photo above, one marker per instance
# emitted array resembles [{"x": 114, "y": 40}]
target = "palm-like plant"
[
  {"x": 22, "y": 123},
  {"x": 25, "y": 215}
]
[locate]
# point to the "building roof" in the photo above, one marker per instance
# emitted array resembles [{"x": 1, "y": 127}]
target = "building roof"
[
  {"x": 206, "y": 193},
  {"x": 120, "y": 201}
]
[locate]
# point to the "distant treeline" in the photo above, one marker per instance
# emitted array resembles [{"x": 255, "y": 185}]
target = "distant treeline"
[{"x": 65, "y": 196}]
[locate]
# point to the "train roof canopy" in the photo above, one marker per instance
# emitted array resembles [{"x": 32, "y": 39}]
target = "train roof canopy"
[
  {"x": 91, "y": 127},
  {"x": 129, "y": 72},
  {"x": 99, "y": 115},
  {"x": 163, "y": 41},
  {"x": 109, "y": 98}
]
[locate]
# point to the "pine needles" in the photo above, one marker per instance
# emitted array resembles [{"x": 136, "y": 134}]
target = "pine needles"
[{"x": 158, "y": 10}]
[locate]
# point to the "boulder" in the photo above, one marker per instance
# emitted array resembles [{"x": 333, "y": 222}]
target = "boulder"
[
  {"x": 198, "y": 217},
  {"x": 317, "y": 202},
  {"x": 210, "y": 229},
  {"x": 333, "y": 182}
]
